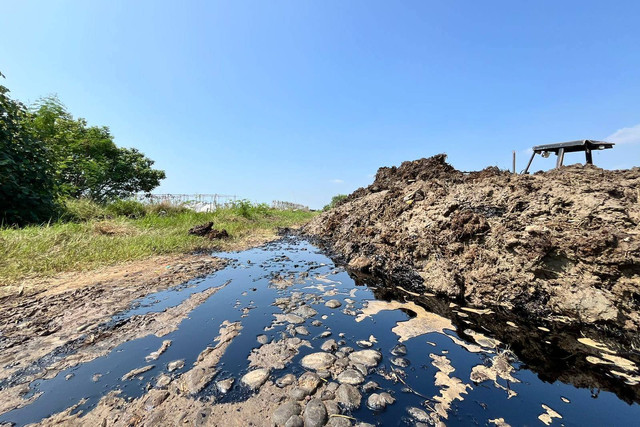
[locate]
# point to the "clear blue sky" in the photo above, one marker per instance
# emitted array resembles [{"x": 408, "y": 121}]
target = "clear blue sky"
[{"x": 298, "y": 100}]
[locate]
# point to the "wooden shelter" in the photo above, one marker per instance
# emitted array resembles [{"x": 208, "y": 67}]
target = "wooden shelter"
[{"x": 560, "y": 148}]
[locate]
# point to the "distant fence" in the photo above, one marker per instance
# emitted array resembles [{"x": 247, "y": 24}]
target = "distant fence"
[
  {"x": 197, "y": 202},
  {"x": 206, "y": 202},
  {"x": 278, "y": 204}
]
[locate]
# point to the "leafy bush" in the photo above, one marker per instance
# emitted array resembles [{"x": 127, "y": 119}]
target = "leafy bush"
[
  {"x": 335, "y": 201},
  {"x": 247, "y": 209},
  {"x": 81, "y": 210},
  {"x": 128, "y": 208}
]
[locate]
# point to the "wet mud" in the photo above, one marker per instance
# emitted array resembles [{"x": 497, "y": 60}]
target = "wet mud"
[{"x": 283, "y": 336}]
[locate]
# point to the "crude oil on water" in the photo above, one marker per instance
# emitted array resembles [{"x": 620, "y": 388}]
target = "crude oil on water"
[{"x": 437, "y": 361}]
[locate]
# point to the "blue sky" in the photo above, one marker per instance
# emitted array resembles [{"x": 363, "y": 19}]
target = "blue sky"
[{"x": 299, "y": 100}]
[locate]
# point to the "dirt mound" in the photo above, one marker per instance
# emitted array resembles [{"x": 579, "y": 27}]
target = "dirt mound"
[
  {"x": 559, "y": 243},
  {"x": 207, "y": 230}
]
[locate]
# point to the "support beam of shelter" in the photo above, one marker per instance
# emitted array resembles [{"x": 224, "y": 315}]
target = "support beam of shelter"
[{"x": 560, "y": 148}]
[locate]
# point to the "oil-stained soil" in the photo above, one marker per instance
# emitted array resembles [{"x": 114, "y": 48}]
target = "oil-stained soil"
[
  {"x": 562, "y": 244},
  {"x": 282, "y": 336},
  {"x": 63, "y": 321}
]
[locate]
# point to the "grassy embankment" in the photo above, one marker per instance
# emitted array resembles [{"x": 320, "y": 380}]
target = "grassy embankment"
[{"x": 94, "y": 239}]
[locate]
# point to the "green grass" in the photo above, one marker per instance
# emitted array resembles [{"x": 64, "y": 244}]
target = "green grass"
[{"x": 38, "y": 251}]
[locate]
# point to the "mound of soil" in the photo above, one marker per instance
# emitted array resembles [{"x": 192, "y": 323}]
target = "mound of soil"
[
  {"x": 207, "y": 230},
  {"x": 559, "y": 243}
]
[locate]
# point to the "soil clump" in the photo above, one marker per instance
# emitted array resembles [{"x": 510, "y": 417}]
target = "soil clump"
[{"x": 560, "y": 243}]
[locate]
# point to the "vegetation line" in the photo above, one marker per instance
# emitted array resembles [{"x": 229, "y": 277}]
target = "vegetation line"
[{"x": 95, "y": 236}]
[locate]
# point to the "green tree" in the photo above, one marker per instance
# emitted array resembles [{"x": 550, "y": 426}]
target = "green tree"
[
  {"x": 26, "y": 185},
  {"x": 87, "y": 163}
]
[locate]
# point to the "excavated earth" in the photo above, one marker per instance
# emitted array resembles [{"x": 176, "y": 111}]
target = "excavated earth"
[{"x": 561, "y": 245}]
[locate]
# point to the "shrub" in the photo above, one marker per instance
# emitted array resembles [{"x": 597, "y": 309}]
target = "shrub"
[
  {"x": 247, "y": 209},
  {"x": 128, "y": 208},
  {"x": 80, "y": 210}
]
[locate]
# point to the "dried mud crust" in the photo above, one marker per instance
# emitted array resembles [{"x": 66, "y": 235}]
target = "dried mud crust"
[
  {"x": 564, "y": 242},
  {"x": 67, "y": 323}
]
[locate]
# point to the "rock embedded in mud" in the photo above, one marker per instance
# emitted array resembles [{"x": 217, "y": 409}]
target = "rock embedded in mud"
[
  {"x": 315, "y": 413},
  {"x": 332, "y": 407},
  {"x": 294, "y": 318},
  {"x": 332, "y": 386},
  {"x": 175, "y": 365},
  {"x": 295, "y": 421},
  {"x": 346, "y": 350},
  {"x": 350, "y": 376},
  {"x": 298, "y": 393},
  {"x": 399, "y": 350},
  {"x": 163, "y": 347},
  {"x": 364, "y": 344},
  {"x": 255, "y": 378},
  {"x": 285, "y": 380},
  {"x": 301, "y": 330},
  {"x": 309, "y": 381},
  {"x": 318, "y": 361},
  {"x": 155, "y": 399},
  {"x": 163, "y": 381},
  {"x": 361, "y": 368},
  {"x": 284, "y": 412},
  {"x": 418, "y": 414},
  {"x": 305, "y": 311},
  {"x": 136, "y": 372},
  {"x": 329, "y": 345},
  {"x": 343, "y": 362},
  {"x": 348, "y": 396},
  {"x": 333, "y": 303},
  {"x": 400, "y": 362},
  {"x": 324, "y": 374},
  {"x": 225, "y": 385},
  {"x": 339, "y": 422},
  {"x": 368, "y": 358},
  {"x": 370, "y": 386},
  {"x": 327, "y": 395},
  {"x": 376, "y": 402}
]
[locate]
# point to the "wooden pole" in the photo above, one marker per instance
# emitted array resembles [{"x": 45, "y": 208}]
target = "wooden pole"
[
  {"x": 513, "y": 170},
  {"x": 560, "y": 158}
]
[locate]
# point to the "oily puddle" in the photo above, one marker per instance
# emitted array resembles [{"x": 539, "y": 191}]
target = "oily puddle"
[{"x": 436, "y": 361}]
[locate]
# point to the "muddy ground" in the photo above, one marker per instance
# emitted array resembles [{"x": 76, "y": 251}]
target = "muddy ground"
[
  {"x": 70, "y": 313},
  {"x": 283, "y": 336},
  {"x": 563, "y": 244}
]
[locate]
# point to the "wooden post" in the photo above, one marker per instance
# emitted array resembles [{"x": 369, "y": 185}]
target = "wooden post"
[
  {"x": 526, "y": 170},
  {"x": 513, "y": 170},
  {"x": 587, "y": 154},
  {"x": 560, "y": 158}
]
